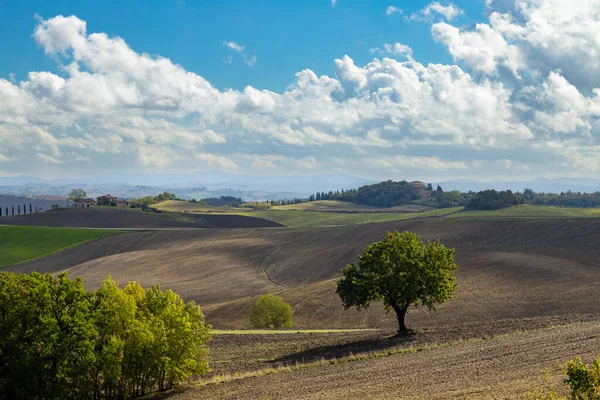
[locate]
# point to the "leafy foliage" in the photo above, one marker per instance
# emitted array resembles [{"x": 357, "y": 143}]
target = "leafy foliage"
[
  {"x": 59, "y": 341},
  {"x": 257, "y": 205},
  {"x": 384, "y": 194},
  {"x": 584, "y": 380},
  {"x": 222, "y": 201},
  {"x": 493, "y": 200},
  {"x": 400, "y": 271},
  {"x": 77, "y": 194},
  {"x": 564, "y": 199},
  {"x": 144, "y": 202},
  {"x": 583, "y": 383},
  {"x": 271, "y": 312}
]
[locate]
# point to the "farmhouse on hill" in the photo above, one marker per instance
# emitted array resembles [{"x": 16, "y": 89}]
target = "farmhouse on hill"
[
  {"x": 109, "y": 200},
  {"x": 84, "y": 203},
  {"x": 421, "y": 189}
]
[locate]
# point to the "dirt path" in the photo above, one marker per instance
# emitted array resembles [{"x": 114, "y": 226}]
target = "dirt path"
[
  {"x": 499, "y": 368},
  {"x": 263, "y": 265}
]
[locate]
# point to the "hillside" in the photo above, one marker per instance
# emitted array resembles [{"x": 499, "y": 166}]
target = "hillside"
[
  {"x": 112, "y": 217},
  {"x": 345, "y": 206},
  {"x": 23, "y": 243},
  {"x": 318, "y": 218},
  {"x": 531, "y": 211},
  {"x": 190, "y": 207},
  {"x": 508, "y": 269}
]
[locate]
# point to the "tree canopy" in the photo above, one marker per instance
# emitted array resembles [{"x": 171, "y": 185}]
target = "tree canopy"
[
  {"x": 271, "y": 312},
  {"x": 59, "y": 341},
  {"x": 401, "y": 271},
  {"x": 77, "y": 194},
  {"x": 493, "y": 200},
  {"x": 144, "y": 202}
]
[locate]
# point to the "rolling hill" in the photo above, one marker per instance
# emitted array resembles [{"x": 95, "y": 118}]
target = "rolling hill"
[
  {"x": 23, "y": 243},
  {"x": 508, "y": 269},
  {"x": 127, "y": 218}
]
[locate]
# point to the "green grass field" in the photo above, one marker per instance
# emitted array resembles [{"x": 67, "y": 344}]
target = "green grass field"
[
  {"x": 189, "y": 207},
  {"x": 345, "y": 206},
  {"x": 531, "y": 211},
  {"x": 24, "y": 243},
  {"x": 325, "y": 205},
  {"x": 296, "y": 219},
  {"x": 306, "y": 218},
  {"x": 283, "y": 331}
]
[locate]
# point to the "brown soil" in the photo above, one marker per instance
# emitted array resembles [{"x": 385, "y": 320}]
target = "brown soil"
[
  {"x": 514, "y": 275},
  {"x": 118, "y": 218},
  {"x": 236, "y": 353},
  {"x": 518, "y": 269},
  {"x": 499, "y": 367}
]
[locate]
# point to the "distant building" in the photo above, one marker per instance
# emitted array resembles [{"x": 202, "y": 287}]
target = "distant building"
[
  {"x": 109, "y": 200},
  {"x": 84, "y": 203},
  {"x": 421, "y": 189}
]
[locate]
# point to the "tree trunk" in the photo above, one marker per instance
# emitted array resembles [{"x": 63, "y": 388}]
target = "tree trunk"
[{"x": 401, "y": 313}]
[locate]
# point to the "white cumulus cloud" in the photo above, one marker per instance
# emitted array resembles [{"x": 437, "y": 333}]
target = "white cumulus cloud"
[
  {"x": 522, "y": 96},
  {"x": 449, "y": 12},
  {"x": 391, "y": 10}
]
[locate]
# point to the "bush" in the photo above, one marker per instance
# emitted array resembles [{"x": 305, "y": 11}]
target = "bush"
[
  {"x": 256, "y": 206},
  {"x": 271, "y": 312},
  {"x": 59, "y": 341},
  {"x": 583, "y": 383}
]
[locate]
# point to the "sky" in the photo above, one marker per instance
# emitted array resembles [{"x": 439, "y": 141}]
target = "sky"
[{"x": 474, "y": 89}]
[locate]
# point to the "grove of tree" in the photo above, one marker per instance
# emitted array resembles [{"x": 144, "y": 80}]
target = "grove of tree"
[
  {"x": 59, "y": 341},
  {"x": 144, "y": 202}
]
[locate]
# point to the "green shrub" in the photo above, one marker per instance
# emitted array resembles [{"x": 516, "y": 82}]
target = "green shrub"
[
  {"x": 256, "y": 206},
  {"x": 271, "y": 312},
  {"x": 584, "y": 380},
  {"x": 583, "y": 383}
]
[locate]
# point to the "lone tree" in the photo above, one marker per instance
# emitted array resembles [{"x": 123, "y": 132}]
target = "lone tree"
[
  {"x": 77, "y": 194},
  {"x": 400, "y": 270},
  {"x": 271, "y": 312}
]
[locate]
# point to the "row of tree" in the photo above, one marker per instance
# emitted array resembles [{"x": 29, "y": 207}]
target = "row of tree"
[
  {"x": 390, "y": 193},
  {"x": 59, "y": 341},
  {"x": 223, "y": 201},
  {"x": 383, "y": 194},
  {"x": 18, "y": 210}
]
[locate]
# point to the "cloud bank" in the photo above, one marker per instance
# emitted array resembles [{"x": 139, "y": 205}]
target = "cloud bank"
[{"x": 522, "y": 98}]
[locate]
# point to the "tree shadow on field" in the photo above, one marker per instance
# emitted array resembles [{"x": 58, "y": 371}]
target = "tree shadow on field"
[{"x": 331, "y": 352}]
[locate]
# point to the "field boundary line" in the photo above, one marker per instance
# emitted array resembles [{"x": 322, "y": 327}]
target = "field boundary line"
[{"x": 264, "y": 268}]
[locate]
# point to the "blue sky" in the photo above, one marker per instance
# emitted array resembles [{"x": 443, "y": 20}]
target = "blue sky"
[
  {"x": 434, "y": 90},
  {"x": 286, "y": 36}
]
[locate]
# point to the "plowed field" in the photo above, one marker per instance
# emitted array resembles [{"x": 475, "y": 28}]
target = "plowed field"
[
  {"x": 118, "y": 218},
  {"x": 507, "y": 269}
]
